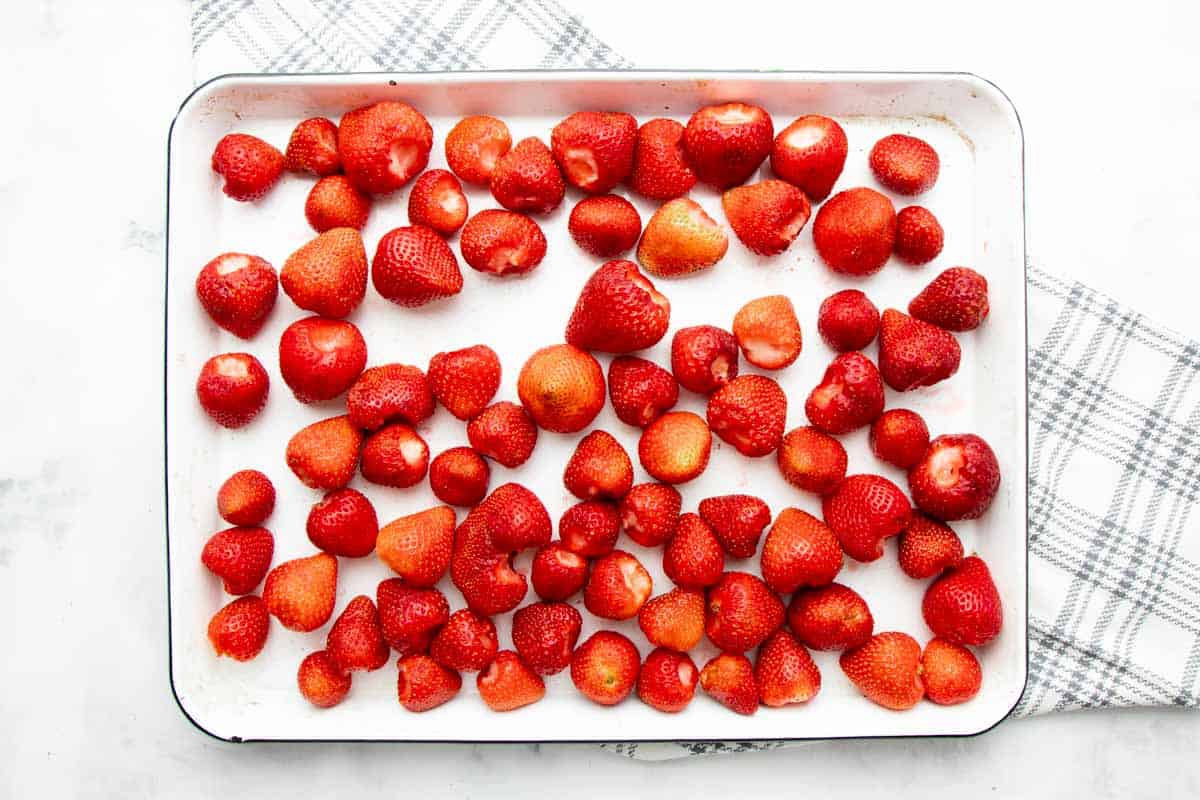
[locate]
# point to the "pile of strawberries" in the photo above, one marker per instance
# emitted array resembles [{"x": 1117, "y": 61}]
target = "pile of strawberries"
[{"x": 792, "y": 606}]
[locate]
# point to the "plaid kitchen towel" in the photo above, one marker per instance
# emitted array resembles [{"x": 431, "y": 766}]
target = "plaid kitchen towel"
[{"x": 1114, "y": 400}]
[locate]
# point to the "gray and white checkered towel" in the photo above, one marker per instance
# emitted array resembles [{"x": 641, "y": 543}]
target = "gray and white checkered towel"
[{"x": 1114, "y": 400}]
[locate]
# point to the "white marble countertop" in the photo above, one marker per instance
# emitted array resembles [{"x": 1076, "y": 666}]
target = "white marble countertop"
[{"x": 1111, "y": 109}]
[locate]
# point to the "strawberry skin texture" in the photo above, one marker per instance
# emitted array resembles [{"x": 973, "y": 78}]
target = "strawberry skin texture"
[
  {"x": 355, "y": 642},
  {"x": 605, "y": 226},
  {"x": 956, "y": 300},
  {"x": 232, "y": 388},
  {"x": 957, "y": 478},
  {"x": 390, "y": 393},
  {"x": 660, "y": 168},
  {"x": 693, "y": 558},
  {"x": 667, "y": 680},
  {"x": 556, "y": 573},
  {"x": 899, "y": 437},
  {"x": 562, "y": 388},
  {"x": 729, "y": 679},
  {"x": 395, "y": 455},
  {"x": 544, "y": 634},
  {"x": 508, "y": 683},
  {"x": 300, "y": 593},
  {"x": 963, "y": 606},
  {"x": 474, "y": 145},
  {"x": 785, "y": 672},
  {"x": 466, "y": 380},
  {"x": 343, "y": 524},
  {"x": 322, "y": 682},
  {"x": 247, "y": 497},
  {"x": 515, "y": 518},
  {"x": 887, "y": 670},
  {"x": 312, "y": 148},
  {"x": 703, "y": 358},
  {"x": 863, "y": 512},
  {"x": 328, "y": 275},
  {"x": 649, "y": 513},
  {"x": 249, "y": 166},
  {"x": 749, "y": 412},
  {"x": 504, "y": 432},
  {"x": 321, "y": 358},
  {"x": 674, "y": 620},
  {"x": 324, "y": 455},
  {"x": 423, "y": 684},
  {"x": 855, "y": 230},
  {"x": 599, "y": 468},
  {"x": 905, "y": 164},
  {"x": 459, "y": 476},
  {"x": 409, "y": 617},
  {"x": 768, "y": 332},
  {"x": 466, "y": 643},
  {"x": 928, "y": 547},
  {"x": 618, "y": 586},
  {"x": 848, "y": 320},
  {"x": 810, "y": 153},
  {"x": 590, "y": 528},
  {"x": 618, "y": 311},
  {"x": 812, "y": 460},
  {"x": 640, "y": 390},
  {"x": 383, "y": 146},
  {"x": 919, "y": 235},
  {"x": 594, "y": 149},
  {"x": 849, "y": 396},
  {"x": 675, "y": 447},
  {"x": 414, "y": 266},
  {"x": 726, "y": 143},
  {"x": 500, "y": 242},
  {"x": 738, "y": 521},
  {"x": 913, "y": 353},
  {"x": 527, "y": 179},
  {"x": 767, "y": 216},
  {"x": 951, "y": 673},
  {"x": 334, "y": 202},
  {"x": 484, "y": 575},
  {"x": 742, "y": 612},
  {"x": 833, "y": 617},
  {"x": 437, "y": 201},
  {"x": 238, "y": 292},
  {"x": 681, "y": 238},
  {"x": 417, "y": 547},
  {"x": 239, "y": 630},
  {"x": 799, "y": 551},
  {"x": 605, "y": 668}
]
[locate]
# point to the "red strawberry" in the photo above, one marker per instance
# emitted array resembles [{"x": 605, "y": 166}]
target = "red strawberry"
[
  {"x": 904, "y": 164},
  {"x": 768, "y": 332},
  {"x": 928, "y": 547},
  {"x": 355, "y": 642},
  {"x": 334, "y": 202},
  {"x": 384, "y": 145},
  {"x": 618, "y": 586},
  {"x": 913, "y": 353},
  {"x": 238, "y": 291},
  {"x": 328, "y": 275},
  {"x": 738, "y": 521},
  {"x": 515, "y": 518},
  {"x": 484, "y": 575},
  {"x": 395, "y": 455},
  {"x": 324, "y": 455},
  {"x": 956, "y": 479},
  {"x": 847, "y": 320},
  {"x": 704, "y": 358},
  {"x": 726, "y": 143},
  {"x": 312, "y": 148},
  {"x": 417, "y": 546},
  {"x": 854, "y": 231},
  {"x": 799, "y": 550},
  {"x": 414, "y": 266},
  {"x": 680, "y": 239},
  {"x": 239, "y": 557},
  {"x": 749, "y": 412},
  {"x": 810, "y": 153},
  {"x": 963, "y": 605},
  {"x": 437, "y": 201},
  {"x": 640, "y": 390},
  {"x": 667, "y": 680},
  {"x": 343, "y": 524},
  {"x": 249, "y": 166},
  {"x": 767, "y": 216},
  {"x": 729, "y": 679},
  {"x": 502, "y": 242},
  {"x": 247, "y": 497},
  {"x": 590, "y": 528},
  {"x": 951, "y": 673},
  {"x": 863, "y": 512},
  {"x": 919, "y": 235},
  {"x": 545, "y": 635},
  {"x": 675, "y": 447},
  {"x": 299, "y": 593},
  {"x": 322, "y": 682},
  {"x": 605, "y": 668},
  {"x": 459, "y": 476},
  {"x": 423, "y": 684},
  {"x": 618, "y": 311},
  {"x": 321, "y": 358},
  {"x": 527, "y": 179},
  {"x": 391, "y": 393},
  {"x": 649, "y": 513},
  {"x": 474, "y": 145},
  {"x": 467, "y": 642},
  {"x": 504, "y": 432},
  {"x": 849, "y": 396},
  {"x": 693, "y": 557},
  {"x": 239, "y": 630},
  {"x": 955, "y": 300},
  {"x": 833, "y": 617},
  {"x": 599, "y": 468},
  {"x": 674, "y": 620},
  {"x": 605, "y": 226},
  {"x": 410, "y": 617},
  {"x": 785, "y": 672},
  {"x": 557, "y": 573},
  {"x": 562, "y": 388},
  {"x": 508, "y": 683},
  {"x": 899, "y": 437},
  {"x": 232, "y": 388},
  {"x": 464, "y": 381},
  {"x": 594, "y": 149},
  {"x": 811, "y": 460},
  {"x": 887, "y": 669},
  {"x": 660, "y": 168}
]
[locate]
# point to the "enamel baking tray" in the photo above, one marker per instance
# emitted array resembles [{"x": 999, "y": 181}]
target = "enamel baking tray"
[{"x": 978, "y": 198}]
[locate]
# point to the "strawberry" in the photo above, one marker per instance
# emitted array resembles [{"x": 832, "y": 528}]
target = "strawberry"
[
  {"x": 384, "y": 145},
  {"x": 343, "y": 524},
  {"x": 391, "y": 393},
  {"x": 504, "y": 432},
  {"x": 322, "y": 682},
  {"x": 618, "y": 586},
  {"x": 605, "y": 668},
  {"x": 599, "y": 468},
  {"x": 693, "y": 557},
  {"x": 466, "y": 643},
  {"x": 249, "y": 166},
  {"x": 811, "y": 460},
  {"x": 833, "y": 617},
  {"x": 799, "y": 550},
  {"x": 232, "y": 388},
  {"x": 726, "y": 143},
  {"x": 459, "y": 476},
  {"x": 864, "y": 511},
  {"x": 321, "y": 358},
  {"x": 955, "y": 300},
  {"x": 545, "y": 635},
  {"x": 957, "y": 478},
  {"x": 674, "y": 620},
  {"x": 785, "y": 672},
  {"x": 738, "y": 521},
  {"x": 324, "y": 455},
  {"x": 749, "y": 412},
  {"x": 334, "y": 202},
  {"x": 810, "y": 153},
  {"x": 618, "y": 311},
  {"x": 849, "y": 396},
  {"x": 887, "y": 670},
  {"x": 238, "y": 291},
  {"x": 594, "y": 149},
  {"x": 312, "y": 148},
  {"x": 437, "y": 201},
  {"x": 557, "y": 573},
  {"x": 704, "y": 358},
  {"x": 963, "y": 605},
  {"x": 919, "y": 235},
  {"x": 667, "y": 680},
  {"x": 640, "y": 390},
  {"x": 905, "y": 164},
  {"x": 854, "y": 231},
  {"x": 410, "y": 617},
  {"x": 484, "y": 575},
  {"x": 605, "y": 226},
  {"x": 414, "y": 266},
  {"x": 913, "y": 353},
  {"x": 239, "y": 630},
  {"x": 423, "y": 684},
  {"x": 899, "y": 437},
  {"x": 767, "y": 216},
  {"x": 649, "y": 513},
  {"x": 299, "y": 593},
  {"x": 417, "y": 546},
  {"x": 768, "y": 332},
  {"x": 928, "y": 547},
  {"x": 395, "y": 455},
  {"x": 950, "y": 672},
  {"x": 562, "y": 388},
  {"x": 847, "y": 320},
  {"x": 675, "y": 447},
  {"x": 474, "y": 145},
  {"x": 502, "y": 242},
  {"x": 590, "y": 528},
  {"x": 729, "y": 679},
  {"x": 247, "y": 497},
  {"x": 680, "y": 239},
  {"x": 508, "y": 683},
  {"x": 355, "y": 642},
  {"x": 328, "y": 275},
  {"x": 527, "y": 179},
  {"x": 660, "y": 168},
  {"x": 464, "y": 381},
  {"x": 515, "y": 518}
]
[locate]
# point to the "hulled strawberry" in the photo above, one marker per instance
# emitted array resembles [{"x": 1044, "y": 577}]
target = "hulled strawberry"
[
  {"x": 919, "y": 235},
  {"x": 355, "y": 642},
  {"x": 527, "y": 179},
  {"x": 299, "y": 593},
  {"x": 913, "y": 353},
  {"x": 704, "y": 358},
  {"x": 409, "y": 617},
  {"x": 848, "y": 320},
  {"x": 811, "y": 460},
  {"x": 768, "y": 332},
  {"x": 660, "y": 168},
  {"x": 324, "y": 455},
  {"x": 343, "y": 523},
  {"x": 594, "y": 149},
  {"x": 474, "y": 145},
  {"x": 556, "y": 573},
  {"x": 328, "y": 275},
  {"x": 417, "y": 546},
  {"x": 749, "y": 412},
  {"x": 390, "y": 393},
  {"x": 693, "y": 557},
  {"x": 855, "y": 230},
  {"x": 957, "y": 478},
  {"x": 321, "y": 681},
  {"x": 785, "y": 672},
  {"x": 239, "y": 630},
  {"x": 501, "y": 242},
  {"x": 928, "y": 547},
  {"x": 833, "y": 617},
  {"x": 238, "y": 291},
  {"x": 545, "y": 635},
  {"x": 899, "y": 437},
  {"x": 239, "y": 557},
  {"x": 680, "y": 239},
  {"x": 459, "y": 476},
  {"x": 956, "y": 300},
  {"x": 515, "y": 518},
  {"x": 649, "y": 513},
  {"x": 738, "y": 521},
  {"x": 618, "y": 311},
  {"x": 249, "y": 166},
  {"x": 810, "y": 153},
  {"x": 887, "y": 670},
  {"x": 799, "y": 551},
  {"x": 741, "y": 612},
  {"x": 504, "y": 432},
  {"x": 849, "y": 396},
  {"x": 562, "y": 388},
  {"x": 950, "y": 672},
  {"x": 605, "y": 668},
  {"x": 766, "y": 216},
  {"x": 905, "y": 164},
  {"x": 590, "y": 528},
  {"x": 437, "y": 201},
  {"x": 726, "y": 143},
  {"x": 618, "y": 587},
  {"x": 312, "y": 148},
  {"x": 232, "y": 388},
  {"x": 864, "y": 511},
  {"x": 395, "y": 455},
  {"x": 414, "y": 266},
  {"x": 963, "y": 606},
  {"x": 675, "y": 447},
  {"x": 466, "y": 380},
  {"x": 321, "y": 358},
  {"x": 640, "y": 390},
  {"x": 605, "y": 226},
  {"x": 423, "y": 684},
  {"x": 667, "y": 680},
  {"x": 335, "y": 202},
  {"x": 729, "y": 679},
  {"x": 508, "y": 683},
  {"x": 674, "y": 620},
  {"x": 485, "y": 576},
  {"x": 247, "y": 497},
  {"x": 383, "y": 146},
  {"x": 466, "y": 643},
  {"x": 599, "y": 468}
]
